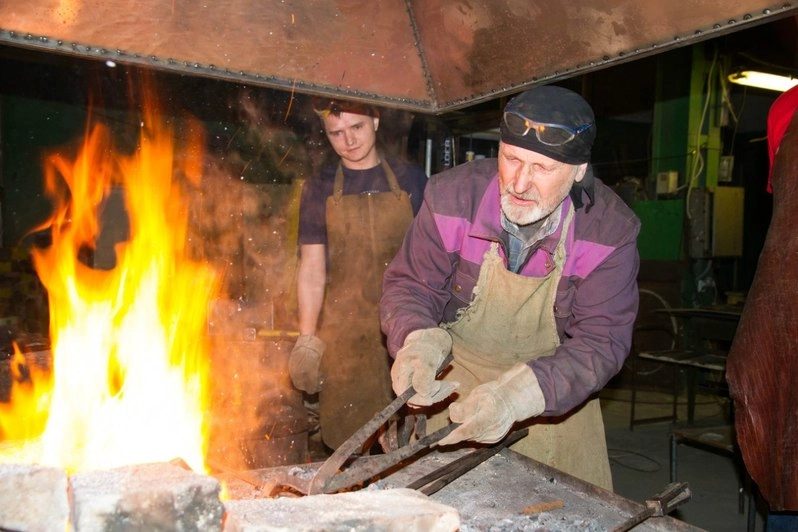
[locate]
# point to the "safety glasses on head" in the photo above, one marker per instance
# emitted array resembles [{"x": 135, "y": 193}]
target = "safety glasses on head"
[
  {"x": 324, "y": 107},
  {"x": 549, "y": 134}
]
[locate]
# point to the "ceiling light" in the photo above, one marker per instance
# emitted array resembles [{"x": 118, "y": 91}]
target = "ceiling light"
[{"x": 763, "y": 80}]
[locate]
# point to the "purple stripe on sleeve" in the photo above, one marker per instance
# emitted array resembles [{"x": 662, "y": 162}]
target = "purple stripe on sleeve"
[
  {"x": 588, "y": 256},
  {"x": 454, "y": 231}
]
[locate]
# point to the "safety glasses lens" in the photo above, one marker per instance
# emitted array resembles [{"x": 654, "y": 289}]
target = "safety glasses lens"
[
  {"x": 553, "y": 135},
  {"x": 516, "y": 124}
]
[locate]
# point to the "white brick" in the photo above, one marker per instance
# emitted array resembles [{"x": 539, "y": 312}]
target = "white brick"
[
  {"x": 145, "y": 497},
  {"x": 33, "y": 498},
  {"x": 372, "y": 510}
]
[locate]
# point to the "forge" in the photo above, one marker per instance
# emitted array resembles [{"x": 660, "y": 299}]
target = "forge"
[{"x": 168, "y": 496}]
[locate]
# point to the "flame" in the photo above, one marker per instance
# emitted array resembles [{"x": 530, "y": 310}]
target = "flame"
[
  {"x": 30, "y": 397},
  {"x": 130, "y": 355}
]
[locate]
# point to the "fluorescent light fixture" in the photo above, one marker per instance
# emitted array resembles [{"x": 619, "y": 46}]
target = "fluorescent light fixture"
[{"x": 763, "y": 80}]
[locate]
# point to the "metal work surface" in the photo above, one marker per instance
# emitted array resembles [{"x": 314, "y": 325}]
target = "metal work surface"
[
  {"x": 412, "y": 54},
  {"x": 506, "y": 492}
]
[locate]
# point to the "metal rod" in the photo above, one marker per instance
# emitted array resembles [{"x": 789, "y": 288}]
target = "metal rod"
[{"x": 439, "y": 478}]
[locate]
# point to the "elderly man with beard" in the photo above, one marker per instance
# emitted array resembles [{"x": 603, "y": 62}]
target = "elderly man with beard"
[{"x": 524, "y": 268}]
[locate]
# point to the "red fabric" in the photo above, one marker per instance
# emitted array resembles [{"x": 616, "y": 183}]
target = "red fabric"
[{"x": 779, "y": 118}]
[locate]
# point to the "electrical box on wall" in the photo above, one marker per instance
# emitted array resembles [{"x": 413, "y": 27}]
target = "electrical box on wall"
[
  {"x": 725, "y": 168},
  {"x": 716, "y": 222},
  {"x": 727, "y": 222},
  {"x": 667, "y": 182}
]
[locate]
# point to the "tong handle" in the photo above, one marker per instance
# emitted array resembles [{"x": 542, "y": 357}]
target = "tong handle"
[
  {"x": 661, "y": 504},
  {"x": 368, "y": 467},
  {"x": 672, "y": 496},
  {"x": 330, "y": 466}
]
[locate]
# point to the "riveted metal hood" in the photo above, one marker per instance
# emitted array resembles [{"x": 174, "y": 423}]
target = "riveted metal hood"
[{"x": 422, "y": 55}]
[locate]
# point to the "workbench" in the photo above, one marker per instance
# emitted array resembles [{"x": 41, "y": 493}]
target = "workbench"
[
  {"x": 509, "y": 491},
  {"x": 706, "y": 334}
]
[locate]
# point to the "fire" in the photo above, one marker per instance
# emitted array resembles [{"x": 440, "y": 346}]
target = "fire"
[{"x": 130, "y": 356}]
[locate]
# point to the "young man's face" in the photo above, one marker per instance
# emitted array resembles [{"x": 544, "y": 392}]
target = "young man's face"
[
  {"x": 353, "y": 137},
  {"x": 533, "y": 185}
]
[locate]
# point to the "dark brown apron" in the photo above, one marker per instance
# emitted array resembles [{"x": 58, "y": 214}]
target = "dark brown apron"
[
  {"x": 511, "y": 320},
  {"x": 364, "y": 232}
]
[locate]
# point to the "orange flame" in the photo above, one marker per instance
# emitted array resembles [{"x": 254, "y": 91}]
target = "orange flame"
[
  {"x": 30, "y": 397},
  {"x": 130, "y": 355}
]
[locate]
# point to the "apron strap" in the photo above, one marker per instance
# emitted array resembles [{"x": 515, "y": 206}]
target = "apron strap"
[{"x": 393, "y": 183}]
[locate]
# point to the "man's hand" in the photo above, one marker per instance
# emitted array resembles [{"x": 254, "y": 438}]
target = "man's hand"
[
  {"x": 490, "y": 410},
  {"x": 304, "y": 363},
  {"x": 417, "y": 364}
]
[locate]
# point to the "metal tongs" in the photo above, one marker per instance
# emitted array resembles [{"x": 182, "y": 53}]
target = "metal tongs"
[
  {"x": 674, "y": 494},
  {"x": 328, "y": 479}
]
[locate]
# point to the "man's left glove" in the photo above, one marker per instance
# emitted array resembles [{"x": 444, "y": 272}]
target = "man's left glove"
[
  {"x": 490, "y": 410},
  {"x": 304, "y": 363},
  {"x": 417, "y": 363}
]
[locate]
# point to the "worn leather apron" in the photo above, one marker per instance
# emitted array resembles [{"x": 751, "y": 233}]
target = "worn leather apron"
[
  {"x": 511, "y": 320},
  {"x": 364, "y": 232}
]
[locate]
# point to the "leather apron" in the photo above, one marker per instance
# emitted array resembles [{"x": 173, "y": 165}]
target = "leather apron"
[
  {"x": 364, "y": 232},
  {"x": 511, "y": 320}
]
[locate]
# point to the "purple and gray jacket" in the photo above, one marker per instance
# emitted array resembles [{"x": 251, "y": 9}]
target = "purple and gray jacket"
[{"x": 434, "y": 274}]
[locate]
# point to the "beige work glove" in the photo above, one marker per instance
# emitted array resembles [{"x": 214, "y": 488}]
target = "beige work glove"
[
  {"x": 304, "y": 363},
  {"x": 490, "y": 410},
  {"x": 417, "y": 363}
]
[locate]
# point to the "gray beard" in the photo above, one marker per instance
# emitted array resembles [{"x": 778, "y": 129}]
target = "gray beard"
[{"x": 522, "y": 216}]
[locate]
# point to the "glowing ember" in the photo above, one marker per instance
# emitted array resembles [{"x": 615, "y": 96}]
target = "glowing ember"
[{"x": 129, "y": 351}]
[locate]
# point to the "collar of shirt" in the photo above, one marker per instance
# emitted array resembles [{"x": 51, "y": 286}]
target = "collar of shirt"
[{"x": 520, "y": 245}]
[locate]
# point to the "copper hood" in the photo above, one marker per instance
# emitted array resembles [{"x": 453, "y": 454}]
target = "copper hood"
[{"x": 424, "y": 55}]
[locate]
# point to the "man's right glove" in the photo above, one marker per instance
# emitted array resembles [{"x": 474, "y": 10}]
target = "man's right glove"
[
  {"x": 417, "y": 363},
  {"x": 491, "y": 409},
  {"x": 304, "y": 363}
]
